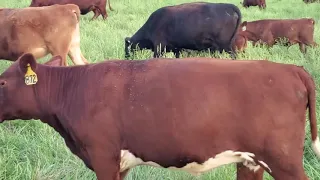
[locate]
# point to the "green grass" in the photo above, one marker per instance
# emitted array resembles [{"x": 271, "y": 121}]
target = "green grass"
[{"x": 32, "y": 150}]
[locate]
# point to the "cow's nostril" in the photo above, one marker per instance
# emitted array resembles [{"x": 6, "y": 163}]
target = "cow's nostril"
[{"x": 2, "y": 83}]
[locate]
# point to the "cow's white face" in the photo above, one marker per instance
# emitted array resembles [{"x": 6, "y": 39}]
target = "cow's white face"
[
  {"x": 244, "y": 28},
  {"x": 17, "y": 97}
]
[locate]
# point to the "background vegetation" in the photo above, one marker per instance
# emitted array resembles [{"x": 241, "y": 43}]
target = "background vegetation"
[{"x": 32, "y": 150}]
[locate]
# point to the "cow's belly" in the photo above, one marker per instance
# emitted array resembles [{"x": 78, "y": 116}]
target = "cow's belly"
[
  {"x": 202, "y": 43},
  {"x": 38, "y": 52},
  {"x": 128, "y": 160}
]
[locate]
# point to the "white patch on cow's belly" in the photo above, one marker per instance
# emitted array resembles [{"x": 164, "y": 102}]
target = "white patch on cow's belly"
[{"x": 128, "y": 160}]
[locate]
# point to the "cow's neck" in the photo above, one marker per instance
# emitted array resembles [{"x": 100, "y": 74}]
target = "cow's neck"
[
  {"x": 56, "y": 95},
  {"x": 58, "y": 90}
]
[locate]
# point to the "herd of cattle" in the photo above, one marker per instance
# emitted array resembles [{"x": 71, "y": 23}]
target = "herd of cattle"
[{"x": 193, "y": 114}]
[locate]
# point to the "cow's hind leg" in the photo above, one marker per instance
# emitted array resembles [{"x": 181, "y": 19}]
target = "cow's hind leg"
[
  {"x": 59, "y": 49},
  {"x": 76, "y": 55},
  {"x": 74, "y": 49},
  {"x": 287, "y": 169},
  {"x": 103, "y": 12},
  {"x": 284, "y": 154},
  {"x": 302, "y": 48},
  {"x": 96, "y": 12},
  {"x": 63, "y": 57},
  {"x": 83, "y": 58},
  {"x": 103, "y": 9},
  {"x": 312, "y": 44},
  {"x": 244, "y": 173}
]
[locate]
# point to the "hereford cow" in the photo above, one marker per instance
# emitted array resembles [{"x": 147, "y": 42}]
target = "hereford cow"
[
  {"x": 37, "y": 31},
  {"x": 240, "y": 43},
  {"x": 211, "y": 26},
  {"x": 97, "y": 6},
  {"x": 260, "y": 3},
  {"x": 152, "y": 112},
  {"x": 296, "y": 31}
]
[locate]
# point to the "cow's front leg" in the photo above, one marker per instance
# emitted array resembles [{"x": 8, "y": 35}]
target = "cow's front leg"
[
  {"x": 123, "y": 174},
  {"x": 158, "y": 50},
  {"x": 244, "y": 173},
  {"x": 105, "y": 163}
]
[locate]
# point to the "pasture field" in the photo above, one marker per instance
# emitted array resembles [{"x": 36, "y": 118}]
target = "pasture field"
[{"x": 34, "y": 151}]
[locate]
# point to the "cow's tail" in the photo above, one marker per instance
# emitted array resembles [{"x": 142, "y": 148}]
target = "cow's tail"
[
  {"x": 311, "y": 91},
  {"x": 111, "y": 9},
  {"x": 76, "y": 11},
  {"x": 237, "y": 11}
]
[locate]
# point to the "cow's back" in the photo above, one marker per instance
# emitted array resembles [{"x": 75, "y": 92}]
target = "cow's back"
[
  {"x": 41, "y": 19},
  {"x": 37, "y": 25},
  {"x": 283, "y": 27},
  {"x": 191, "y": 23},
  {"x": 45, "y": 14},
  {"x": 82, "y": 4}
]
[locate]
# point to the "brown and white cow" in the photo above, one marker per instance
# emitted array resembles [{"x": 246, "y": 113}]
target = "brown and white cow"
[
  {"x": 268, "y": 31},
  {"x": 97, "y": 6},
  {"x": 40, "y": 31},
  {"x": 153, "y": 112},
  {"x": 260, "y": 3}
]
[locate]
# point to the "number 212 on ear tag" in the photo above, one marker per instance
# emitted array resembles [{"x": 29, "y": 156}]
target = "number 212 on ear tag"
[{"x": 30, "y": 77}]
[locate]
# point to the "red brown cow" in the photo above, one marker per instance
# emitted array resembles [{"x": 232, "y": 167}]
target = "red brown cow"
[
  {"x": 240, "y": 43},
  {"x": 34, "y": 30},
  {"x": 97, "y": 6},
  {"x": 152, "y": 112},
  {"x": 260, "y": 3},
  {"x": 268, "y": 31}
]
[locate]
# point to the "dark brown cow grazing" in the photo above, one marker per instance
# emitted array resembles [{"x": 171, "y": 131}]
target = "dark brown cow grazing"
[
  {"x": 240, "y": 43},
  {"x": 152, "y": 112},
  {"x": 97, "y": 6},
  {"x": 35, "y": 30},
  {"x": 296, "y": 31},
  {"x": 311, "y": 1},
  {"x": 260, "y": 3}
]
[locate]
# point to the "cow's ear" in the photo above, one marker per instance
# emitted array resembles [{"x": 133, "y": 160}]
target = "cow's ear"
[
  {"x": 26, "y": 60},
  {"x": 244, "y": 25},
  {"x": 127, "y": 40},
  {"x": 54, "y": 61}
]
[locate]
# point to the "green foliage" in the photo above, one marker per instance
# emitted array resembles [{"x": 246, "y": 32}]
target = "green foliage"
[{"x": 32, "y": 150}]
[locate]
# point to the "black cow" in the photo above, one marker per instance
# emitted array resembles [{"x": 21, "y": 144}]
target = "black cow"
[{"x": 194, "y": 26}]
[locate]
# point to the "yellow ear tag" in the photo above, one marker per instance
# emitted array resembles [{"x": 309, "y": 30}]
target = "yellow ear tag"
[{"x": 30, "y": 77}]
